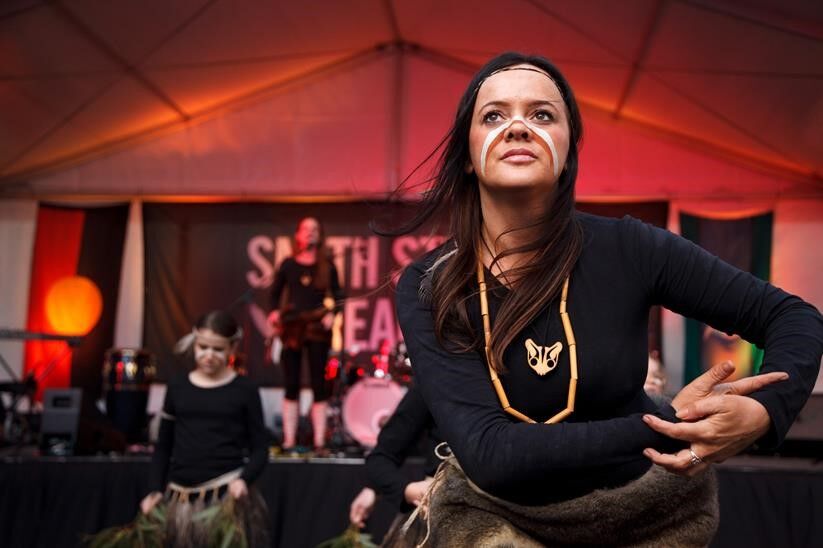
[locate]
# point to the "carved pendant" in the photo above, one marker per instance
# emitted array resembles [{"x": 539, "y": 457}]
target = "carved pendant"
[{"x": 542, "y": 359}]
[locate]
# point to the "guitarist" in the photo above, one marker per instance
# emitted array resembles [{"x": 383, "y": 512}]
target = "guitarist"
[{"x": 306, "y": 301}]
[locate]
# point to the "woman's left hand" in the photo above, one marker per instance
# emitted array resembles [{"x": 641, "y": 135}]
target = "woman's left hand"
[
  {"x": 718, "y": 427},
  {"x": 414, "y": 491},
  {"x": 238, "y": 488}
]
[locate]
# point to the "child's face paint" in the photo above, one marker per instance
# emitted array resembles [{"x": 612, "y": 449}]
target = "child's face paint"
[
  {"x": 519, "y": 134},
  {"x": 211, "y": 351}
]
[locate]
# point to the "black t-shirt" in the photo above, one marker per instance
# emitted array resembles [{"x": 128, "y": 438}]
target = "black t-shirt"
[
  {"x": 299, "y": 281},
  {"x": 626, "y": 267},
  {"x": 211, "y": 432}
]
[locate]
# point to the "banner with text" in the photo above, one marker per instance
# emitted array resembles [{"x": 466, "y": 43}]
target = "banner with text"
[
  {"x": 207, "y": 256},
  {"x": 200, "y": 257}
]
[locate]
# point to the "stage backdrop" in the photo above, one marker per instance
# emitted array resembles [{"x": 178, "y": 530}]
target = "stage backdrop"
[
  {"x": 200, "y": 257},
  {"x": 204, "y": 256}
]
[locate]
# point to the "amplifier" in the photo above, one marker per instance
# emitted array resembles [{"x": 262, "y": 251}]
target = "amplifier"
[{"x": 61, "y": 414}]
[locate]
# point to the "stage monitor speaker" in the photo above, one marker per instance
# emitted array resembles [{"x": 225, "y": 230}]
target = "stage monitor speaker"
[{"x": 61, "y": 414}]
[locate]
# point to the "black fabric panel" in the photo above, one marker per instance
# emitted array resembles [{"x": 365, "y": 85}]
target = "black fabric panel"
[
  {"x": 52, "y": 504},
  {"x": 101, "y": 257},
  {"x": 731, "y": 240},
  {"x": 167, "y": 315},
  {"x": 655, "y": 213},
  {"x": 770, "y": 508}
]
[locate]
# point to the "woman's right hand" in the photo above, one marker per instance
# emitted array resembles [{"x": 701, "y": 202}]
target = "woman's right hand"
[
  {"x": 711, "y": 383},
  {"x": 150, "y": 501},
  {"x": 274, "y": 319},
  {"x": 719, "y": 420},
  {"x": 362, "y": 506}
]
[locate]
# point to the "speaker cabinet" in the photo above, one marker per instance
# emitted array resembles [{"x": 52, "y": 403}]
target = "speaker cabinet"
[{"x": 61, "y": 414}]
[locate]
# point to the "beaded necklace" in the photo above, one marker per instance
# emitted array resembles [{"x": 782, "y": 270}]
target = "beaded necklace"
[{"x": 570, "y": 342}]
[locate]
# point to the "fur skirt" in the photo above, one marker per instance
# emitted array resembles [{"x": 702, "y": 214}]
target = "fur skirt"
[{"x": 657, "y": 509}]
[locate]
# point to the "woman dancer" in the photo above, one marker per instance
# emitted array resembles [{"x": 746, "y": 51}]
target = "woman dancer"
[{"x": 529, "y": 338}]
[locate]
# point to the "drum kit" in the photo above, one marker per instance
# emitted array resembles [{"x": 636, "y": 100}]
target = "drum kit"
[{"x": 367, "y": 387}]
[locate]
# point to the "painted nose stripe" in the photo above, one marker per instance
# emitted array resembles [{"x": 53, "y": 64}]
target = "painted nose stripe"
[{"x": 496, "y": 135}]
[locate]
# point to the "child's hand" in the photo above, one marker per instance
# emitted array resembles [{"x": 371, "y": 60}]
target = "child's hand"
[{"x": 238, "y": 488}]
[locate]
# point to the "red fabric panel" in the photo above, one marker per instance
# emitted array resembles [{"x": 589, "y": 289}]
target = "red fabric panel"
[{"x": 56, "y": 251}]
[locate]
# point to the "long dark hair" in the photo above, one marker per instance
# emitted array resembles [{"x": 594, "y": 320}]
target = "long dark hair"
[
  {"x": 455, "y": 193},
  {"x": 322, "y": 257}
]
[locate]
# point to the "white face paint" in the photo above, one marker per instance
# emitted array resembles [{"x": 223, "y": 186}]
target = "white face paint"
[
  {"x": 497, "y": 135},
  {"x": 211, "y": 351},
  {"x": 205, "y": 354}
]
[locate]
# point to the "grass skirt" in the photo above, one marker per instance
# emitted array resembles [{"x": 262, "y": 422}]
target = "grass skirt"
[
  {"x": 195, "y": 517},
  {"x": 202, "y": 521}
]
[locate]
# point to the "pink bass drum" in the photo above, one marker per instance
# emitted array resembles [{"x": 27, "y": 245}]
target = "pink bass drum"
[{"x": 367, "y": 407}]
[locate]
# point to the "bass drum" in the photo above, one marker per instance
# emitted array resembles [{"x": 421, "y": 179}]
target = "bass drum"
[{"x": 367, "y": 407}]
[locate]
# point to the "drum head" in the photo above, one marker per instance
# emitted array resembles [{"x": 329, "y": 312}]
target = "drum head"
[{"x": 367, "y": 407}]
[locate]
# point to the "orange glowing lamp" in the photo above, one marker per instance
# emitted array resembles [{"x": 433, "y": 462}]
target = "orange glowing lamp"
[{"x": 73, "y": 305}]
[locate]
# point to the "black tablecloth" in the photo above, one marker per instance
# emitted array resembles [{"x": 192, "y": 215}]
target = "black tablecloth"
[{"x": 53, "y": 502}]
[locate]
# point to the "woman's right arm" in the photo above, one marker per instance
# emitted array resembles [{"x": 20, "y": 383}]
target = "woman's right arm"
[{"x": 494, "y": 451}]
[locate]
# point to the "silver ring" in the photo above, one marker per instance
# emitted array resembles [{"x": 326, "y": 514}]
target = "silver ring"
[{"x": 695, "y": 459}]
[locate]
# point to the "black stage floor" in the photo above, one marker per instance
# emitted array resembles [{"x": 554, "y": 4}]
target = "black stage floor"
[{"x": 52, "y": 502}]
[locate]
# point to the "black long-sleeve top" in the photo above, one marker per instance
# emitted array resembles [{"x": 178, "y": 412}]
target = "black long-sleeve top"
[
  {"x": 206, "y": 432},
  {"x": 298, "y": 279},
  {"x": 410, "y": 422},
  {"x": 625, "y": 267}
]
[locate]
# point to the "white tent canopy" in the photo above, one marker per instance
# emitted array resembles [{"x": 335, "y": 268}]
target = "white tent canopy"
[
  {"x": 215, "y": 97},
  {"x": 336, "y": 136}
]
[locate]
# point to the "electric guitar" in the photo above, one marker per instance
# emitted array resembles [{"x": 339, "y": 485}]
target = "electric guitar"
[{"x": 296, "y": 327}]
